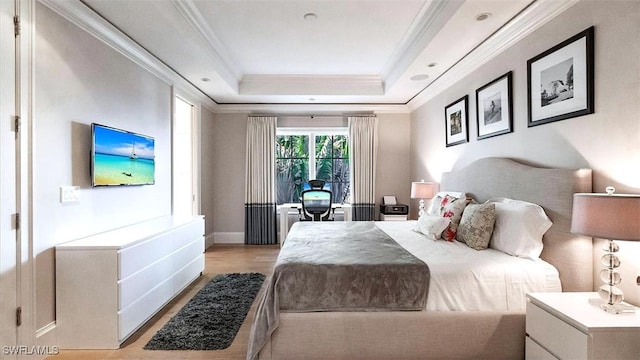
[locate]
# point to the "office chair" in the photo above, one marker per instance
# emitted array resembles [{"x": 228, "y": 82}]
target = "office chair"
[
  {"x": 316, "y": 184},
  {"x": 316, "y": 205}
]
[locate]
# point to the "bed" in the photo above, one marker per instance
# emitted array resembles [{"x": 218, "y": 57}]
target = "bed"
[{"x": 432, "y": 332}]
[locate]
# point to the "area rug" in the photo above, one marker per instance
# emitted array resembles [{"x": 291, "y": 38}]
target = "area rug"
[{"x": 212, "y": 318}]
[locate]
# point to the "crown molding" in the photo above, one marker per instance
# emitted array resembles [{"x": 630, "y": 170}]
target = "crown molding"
[
  {"x": 222, "y": 60},
  {"x": 84, "y": 17},
  {"x": 530, "y": 19},
  {"x": 316, "y": 109},
  {"x": 431, "y": 18}
]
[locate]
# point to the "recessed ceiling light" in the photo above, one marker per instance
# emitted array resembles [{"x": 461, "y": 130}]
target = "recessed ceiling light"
[
  {"x": 483, "y": 16},
  {"x": 310, "y": 16},
  {"x": 205, "y": 79},
  {"x": 419, "y": 77}
]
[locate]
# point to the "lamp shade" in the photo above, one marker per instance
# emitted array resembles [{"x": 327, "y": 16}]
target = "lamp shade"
[
  {"x": 605, "y": 216},
  {"x": 422, "y": 190}
]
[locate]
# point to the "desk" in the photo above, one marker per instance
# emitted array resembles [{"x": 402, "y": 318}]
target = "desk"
[{"x": 285, "y": 210}]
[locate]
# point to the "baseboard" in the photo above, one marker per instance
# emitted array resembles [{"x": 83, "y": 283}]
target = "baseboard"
[
  {"x": 228, "y": 238},
  {"x": 208, "y": 241},
  {"x": 45, "y": 331},
  {"x": 45, "y": 342}
]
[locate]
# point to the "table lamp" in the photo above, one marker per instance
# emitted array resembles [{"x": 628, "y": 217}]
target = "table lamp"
[
  {"x": 608, "y": 216},
  {"x": 422, "y": 190}
]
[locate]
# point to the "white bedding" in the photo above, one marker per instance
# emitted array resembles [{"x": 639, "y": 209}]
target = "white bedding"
[{"x": 464, "y": 279}]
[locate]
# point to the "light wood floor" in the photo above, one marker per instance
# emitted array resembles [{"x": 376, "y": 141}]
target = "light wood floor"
[{"x": 219, "y": 259}]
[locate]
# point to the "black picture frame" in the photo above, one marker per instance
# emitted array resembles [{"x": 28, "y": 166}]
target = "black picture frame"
[
  {"x": 560, "y": 81},
  {"x": 494, "y": 107},
  {"x": 456, "y": 122}
]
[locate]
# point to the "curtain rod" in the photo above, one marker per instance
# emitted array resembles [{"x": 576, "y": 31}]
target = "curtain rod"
[{"x": 312, "y": 115}]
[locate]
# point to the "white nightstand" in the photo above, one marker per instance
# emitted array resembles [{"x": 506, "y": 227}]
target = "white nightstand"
[
  {"x": 567, "y": 326},
  {"x": 387, "y": 217}
]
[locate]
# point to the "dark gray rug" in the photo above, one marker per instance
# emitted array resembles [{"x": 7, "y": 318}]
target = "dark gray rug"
[{"x": 211, "y": 319}]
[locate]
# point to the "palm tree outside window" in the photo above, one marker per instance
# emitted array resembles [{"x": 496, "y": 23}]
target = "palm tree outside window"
[{"x": 302, "y": 155}]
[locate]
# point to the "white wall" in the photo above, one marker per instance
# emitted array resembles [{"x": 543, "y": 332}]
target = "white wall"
[
  {"x": 607, "y": 141},
  {"x": 79, "y": 80}
]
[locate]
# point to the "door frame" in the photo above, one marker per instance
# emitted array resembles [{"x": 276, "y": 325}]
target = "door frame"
[
  {"x": 9, "y": 140},
  {"x": 195, "y": 145},
  {"x": 17, "y": 69}
]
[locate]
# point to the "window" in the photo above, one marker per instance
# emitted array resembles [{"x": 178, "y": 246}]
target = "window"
[{"x": 303, "y": 154}]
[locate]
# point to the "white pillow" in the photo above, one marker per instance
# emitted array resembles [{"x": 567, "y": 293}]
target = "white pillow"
[
  {"x": 432, "y": 226},
  {"x": 519, "y": 227}
]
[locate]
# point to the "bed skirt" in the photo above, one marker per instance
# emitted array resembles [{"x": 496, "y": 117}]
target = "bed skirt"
[{"x": 397, "y": 335}]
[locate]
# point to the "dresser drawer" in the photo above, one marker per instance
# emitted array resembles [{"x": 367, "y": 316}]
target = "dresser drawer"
[
  {"x": 138, "y": 312},
  {"x": 134, "y": 258},
  {"x": 533, "y": 351},
  {"x": 556, "y": 336},
  {"x": 133, "y": 287},
  {"x": 187, "y": 253}
]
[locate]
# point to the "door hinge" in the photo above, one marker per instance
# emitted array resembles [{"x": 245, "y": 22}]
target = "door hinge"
[
  {"x": 17, "y": 221},
  {"x": 19, "y": 316},
  {"x": 16, "y": 25},
  {"x": 16, "y": 124}
]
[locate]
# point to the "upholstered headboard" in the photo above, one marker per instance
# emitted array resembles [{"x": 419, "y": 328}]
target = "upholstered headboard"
[{"x": 552, "y": 189}]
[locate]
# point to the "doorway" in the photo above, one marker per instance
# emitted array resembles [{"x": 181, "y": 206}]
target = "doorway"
[{"x": 184, "y": 184}]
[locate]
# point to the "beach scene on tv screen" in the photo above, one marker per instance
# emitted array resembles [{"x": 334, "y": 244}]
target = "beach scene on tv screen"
[{"x": 122, "y": 158}]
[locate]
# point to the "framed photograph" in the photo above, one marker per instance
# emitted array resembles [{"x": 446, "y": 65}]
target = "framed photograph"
[
  {"x": 494, "y": 110},
  {"x": 560, "y": 81},
  {"x": 456, "y": 121}
]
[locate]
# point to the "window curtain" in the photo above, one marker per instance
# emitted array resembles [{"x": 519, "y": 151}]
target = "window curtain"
[
  {"x": 260, "y": 188},
  {"x": 363, "y": 149}
]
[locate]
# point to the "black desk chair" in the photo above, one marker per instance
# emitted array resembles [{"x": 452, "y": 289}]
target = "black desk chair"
[
  {"x": 316, "y": 184},
  {"x": 316, "y": 205}
]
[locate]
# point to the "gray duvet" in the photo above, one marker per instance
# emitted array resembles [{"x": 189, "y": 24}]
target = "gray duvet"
[{"x": 339, "y": 266}]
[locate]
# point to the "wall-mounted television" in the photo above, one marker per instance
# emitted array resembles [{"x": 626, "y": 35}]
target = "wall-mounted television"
[{"x": 120, "y": 157}]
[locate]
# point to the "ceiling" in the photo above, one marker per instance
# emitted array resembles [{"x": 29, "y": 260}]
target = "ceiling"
[{"x": 309, "y": 51}]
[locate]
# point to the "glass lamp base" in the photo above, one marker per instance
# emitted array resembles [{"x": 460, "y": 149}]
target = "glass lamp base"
[
  {"x": 617, "y": 308},
  {"x": 613, "y": 308}
]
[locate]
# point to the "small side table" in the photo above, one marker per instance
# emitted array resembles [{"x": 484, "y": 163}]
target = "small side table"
[
  {"x": 387, "y": 217},
  {"x": 568, "y": 326}
]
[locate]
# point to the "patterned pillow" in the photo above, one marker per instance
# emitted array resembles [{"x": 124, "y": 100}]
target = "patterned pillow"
[
  {"x": 434, "y": 208},
  {"x": 476, "y": 225},
  {"x": 452, "y": 208}
]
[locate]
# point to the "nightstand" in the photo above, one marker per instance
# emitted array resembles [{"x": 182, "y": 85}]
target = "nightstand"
[
  {"x": 387, "y": 217},
  {"x": 567, "y": 326}
]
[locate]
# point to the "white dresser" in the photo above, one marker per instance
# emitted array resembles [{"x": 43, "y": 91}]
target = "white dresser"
[
  {"x": 567, "y": 326},
  {"x": 108, "y": 285}
]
